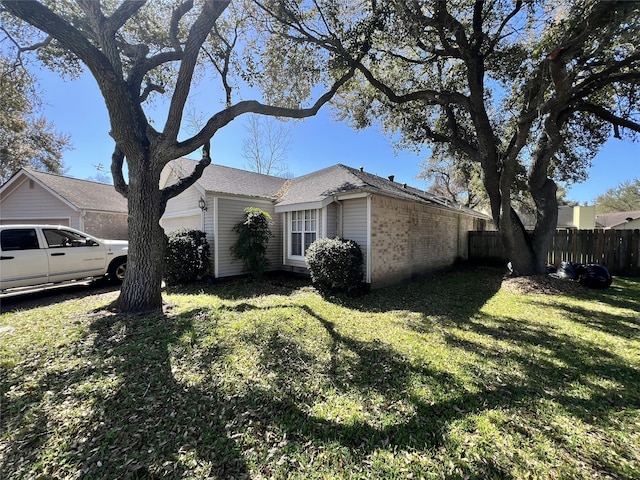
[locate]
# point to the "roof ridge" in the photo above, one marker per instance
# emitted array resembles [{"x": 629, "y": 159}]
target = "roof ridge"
[
  {"x": 39, "y": 172},
  {"x": 231, "y": 168}
]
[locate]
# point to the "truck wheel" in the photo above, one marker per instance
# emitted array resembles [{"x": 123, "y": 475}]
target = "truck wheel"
[{"x": 117, "y": 269}]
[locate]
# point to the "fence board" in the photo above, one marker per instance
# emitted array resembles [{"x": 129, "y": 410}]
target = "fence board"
[{"x": 618, "y": 250}]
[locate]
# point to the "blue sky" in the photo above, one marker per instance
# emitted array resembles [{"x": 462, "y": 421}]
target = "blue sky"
[{"x": 77, "y": 109}]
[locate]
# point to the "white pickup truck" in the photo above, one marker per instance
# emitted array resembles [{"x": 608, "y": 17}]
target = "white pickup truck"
[{"x": 32, "y": 255}]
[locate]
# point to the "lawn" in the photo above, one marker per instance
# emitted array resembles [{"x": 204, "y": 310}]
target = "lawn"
[{"x": 456, "y": 376}]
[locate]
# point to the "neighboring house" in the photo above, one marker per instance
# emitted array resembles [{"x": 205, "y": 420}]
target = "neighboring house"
[
  {"x": 30, "y": 196},
  {"x": 569, "y": 218},
  {"x": 581, "y": 217},
  {"x": 619, "y": 220},
  {"x": 402, "y": 231}
]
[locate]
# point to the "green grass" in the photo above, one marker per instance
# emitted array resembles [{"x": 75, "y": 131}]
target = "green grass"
[{"x": 450, "y": 377}]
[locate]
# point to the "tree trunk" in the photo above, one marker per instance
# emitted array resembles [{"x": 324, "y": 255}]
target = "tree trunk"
[{"x": 141, "y": 289}]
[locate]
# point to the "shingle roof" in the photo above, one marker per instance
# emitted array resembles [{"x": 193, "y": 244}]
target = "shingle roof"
[
  {"x": 83, "y": 194},
  {"x": 616, "y": 218},
  {"x": 233, "y": 181},
  {"x": 319, "y": 185}
]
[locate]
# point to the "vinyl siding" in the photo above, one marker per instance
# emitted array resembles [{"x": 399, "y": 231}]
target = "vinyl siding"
[
  {"x": 332, "y": 220},
  {"x": 230, "y": 212},
  {"x": 184, "y": 204},
  {"x": 354, "y": 224},
  {"x": 36, "y": 205}
]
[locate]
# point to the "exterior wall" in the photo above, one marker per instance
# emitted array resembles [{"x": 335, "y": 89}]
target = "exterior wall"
[
  {"x": 106, "y": 225},
  {"x": 632, "y": 225},
  {"x": 229, "y": 213},
  {"x": 332, "y": 220},
  {"x": 409, "y": 239},
  {"x": 354, "y": 224},
  {"x": 184, "y": 204},
  {"x": 584, "y": 218},
  {"x": 28, "y": 202}
]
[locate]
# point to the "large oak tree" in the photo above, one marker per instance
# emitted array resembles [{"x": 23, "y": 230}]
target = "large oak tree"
[
  {"x": 137, "y": 50},
  {"x": 526, "y": 90}
]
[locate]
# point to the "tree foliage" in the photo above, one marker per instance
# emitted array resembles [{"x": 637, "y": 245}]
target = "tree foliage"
[
  {"x": 526, "y": 91},
  {"x": 253, "y": 238},
  {"x": 26, "y": 139},
  {"x": 335, "y": 265},
  {"x": 187, "y": 257},
  {"x": 142, "y": 53},
  {"x": 623, "y": 198}
]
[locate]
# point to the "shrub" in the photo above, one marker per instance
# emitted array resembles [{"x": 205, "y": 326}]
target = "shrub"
[
  {"x": 335, "y": 264},
  {"x": 253, "y": 236},
  {"x": 186, "y": 257}
]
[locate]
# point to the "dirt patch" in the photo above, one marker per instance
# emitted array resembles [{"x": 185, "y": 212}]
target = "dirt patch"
[{"x": 543, "y": 284}]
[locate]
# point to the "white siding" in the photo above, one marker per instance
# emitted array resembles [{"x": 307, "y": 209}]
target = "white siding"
[
  {"x": 188, "y": 221},
  {"x": 29, "y": 202},
  {"x": 230, "y": 212},
  {"x": 184, "y": 204},
  {"x": 354, "y": 223},
  {"x": 332, "y": 220}
]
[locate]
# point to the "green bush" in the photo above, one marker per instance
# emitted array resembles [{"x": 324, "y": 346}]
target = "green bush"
[
  {"x": 186, "y": 257},
  {"x": 335, "y": 265},
  {"x": 253, "y": 236}
]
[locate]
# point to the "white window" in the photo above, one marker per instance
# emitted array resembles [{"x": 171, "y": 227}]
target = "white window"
[{"x": 303, "y": 231}]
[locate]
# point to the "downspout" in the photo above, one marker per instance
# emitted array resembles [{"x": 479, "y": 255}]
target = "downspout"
[
  {"x": 338, "y": 217},
  {"x": 83, "y": 212}
]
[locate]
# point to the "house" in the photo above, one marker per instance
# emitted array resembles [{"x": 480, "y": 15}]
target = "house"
[
  {"x": 403, "y": 232},
  {"x": 30, "y": 196},
  {"x": 579, "y": 217},
  {"x": 619, "y": 220}
]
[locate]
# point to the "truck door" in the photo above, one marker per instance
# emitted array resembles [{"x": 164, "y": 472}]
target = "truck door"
[
  {"x": 22, "y": 261},
  {"x": 72, "y": 255}
]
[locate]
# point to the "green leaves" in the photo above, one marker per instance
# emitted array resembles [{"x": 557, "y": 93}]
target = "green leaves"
[
  {"x": 253, "y": 236},
  {"x": 335, "y": 265},
  {"x": 187, "y": 257}
]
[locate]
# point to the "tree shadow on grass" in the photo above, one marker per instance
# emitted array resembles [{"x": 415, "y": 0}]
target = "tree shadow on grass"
[
  {"x": 458, "y": 294},
  {"x": 154, "y": 425},
  {"x": 135, "y": 419}
]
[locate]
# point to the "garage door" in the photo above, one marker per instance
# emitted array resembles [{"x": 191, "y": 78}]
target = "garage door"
[
  {"x": 35, "y": 221},
  {"x": 174, "y": 223}
]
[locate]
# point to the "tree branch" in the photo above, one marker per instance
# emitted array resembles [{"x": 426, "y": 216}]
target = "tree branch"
[
  {"x": 184, "y": 183},
  {"x": 211, "y": 11},
  {"x": 117, "y": 162},
  {"x": 224, "y": 117},
  {"x": 608, "y": 116}
]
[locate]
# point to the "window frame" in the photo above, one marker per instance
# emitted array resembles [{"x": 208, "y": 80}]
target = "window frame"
[{"x": 302, "y": 223}]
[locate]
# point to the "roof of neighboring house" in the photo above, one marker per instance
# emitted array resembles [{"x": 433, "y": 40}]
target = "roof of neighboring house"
[
  {"x": 82, "y": 194},
  {"x": 340, "y": 179},
  {"x": 614, "y": 219},
  {"x": 233, "y": 181}
]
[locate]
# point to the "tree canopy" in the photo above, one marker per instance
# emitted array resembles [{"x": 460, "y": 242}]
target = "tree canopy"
[
  {"x": 26, "y": 139},
  {"x": 527, "y": 91},
  {"x": 623, "y": 198}
]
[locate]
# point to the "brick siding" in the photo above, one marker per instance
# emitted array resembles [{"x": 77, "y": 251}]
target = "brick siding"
[
  {"x": 409, "y": 239},
  {"x": 112, "y": 226}
]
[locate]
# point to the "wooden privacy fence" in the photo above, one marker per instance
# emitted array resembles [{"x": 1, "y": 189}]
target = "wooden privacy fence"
[{"x": 618, "y": 250}]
